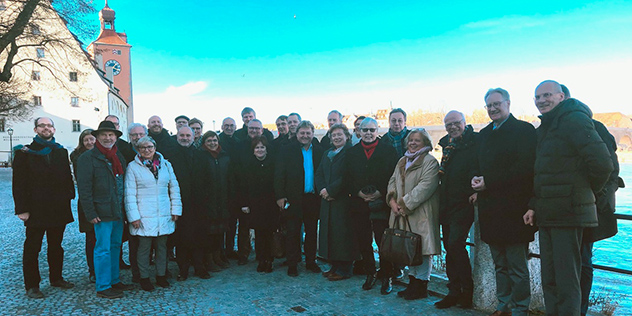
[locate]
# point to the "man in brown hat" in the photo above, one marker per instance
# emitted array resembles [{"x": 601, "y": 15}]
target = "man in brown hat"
[{"x": 100, "y": 182}]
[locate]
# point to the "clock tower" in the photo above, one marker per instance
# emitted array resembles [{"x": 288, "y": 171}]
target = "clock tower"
[{"x": 112, "y": 55}]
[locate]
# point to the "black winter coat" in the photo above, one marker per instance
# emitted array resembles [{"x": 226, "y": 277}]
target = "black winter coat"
[
  {"x": 506, "y": 157},
  {"x": 456, "y": 183},
  {"x": 289, "y": 176},
  {"x": 221, "y": 188},
  {"x": 242, "y": 133},
  {"x": 100, "y": 192},
  {"x": 336, "y": 239},
  {"x": 194, "y": 178},
  {"x": 84, "y": 224},
  {"x": 43, "y": 187},
  {"x": 126, "y": 150},
  {"x": 377, "y": 171},
  {"x": 571, "y": 163},
  {"x": 165, "y": 145},
  {"x": 606, "y": 197},
  {"x": 388, "y": 140},
  {"x": 257, "y": 193}
]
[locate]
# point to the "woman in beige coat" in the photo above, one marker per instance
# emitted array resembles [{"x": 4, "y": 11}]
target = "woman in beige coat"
[{"x": 413, "y": 192}]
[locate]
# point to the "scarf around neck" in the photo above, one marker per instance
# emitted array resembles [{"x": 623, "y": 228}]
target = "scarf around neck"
[
  {"x": 152, "y": 164},
  {"x": 333, "y": 152},
  {"x": 396, "y": 139},
  {"x": 454, "y": 144},
  {"x": 412, "y": 157},
  {"x": 49, "y": 145},
  {"x": 369, "y": 148},
  {"x": 110, "y": 155}
]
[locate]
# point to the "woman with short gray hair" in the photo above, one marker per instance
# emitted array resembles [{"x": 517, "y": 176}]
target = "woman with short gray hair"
[{"x": 153, "y": 205}]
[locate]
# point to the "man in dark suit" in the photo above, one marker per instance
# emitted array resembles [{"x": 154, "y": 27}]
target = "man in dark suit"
[
  {"x": 504, "y": 188},
  {"x": 334, "y": 117},
  {"x": 296, "y": 195}
]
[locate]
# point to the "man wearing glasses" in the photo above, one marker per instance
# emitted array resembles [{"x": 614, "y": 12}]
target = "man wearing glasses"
[
  {"x": 504, "y": 188},
  {"x": 459, "y": 163},
  {"x": 42, "y": 190},
  {"x": 571, "y": 163}
]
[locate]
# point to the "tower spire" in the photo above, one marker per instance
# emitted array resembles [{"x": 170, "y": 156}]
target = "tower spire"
[{"x": 107, "y": 16}]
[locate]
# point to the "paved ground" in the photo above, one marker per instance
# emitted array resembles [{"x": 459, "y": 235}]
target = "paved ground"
[{"x": 238, "y": 290}]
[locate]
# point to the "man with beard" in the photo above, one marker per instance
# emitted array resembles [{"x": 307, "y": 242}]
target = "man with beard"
[
  {"x": 42, "y": 190},
  {"x": 164, "y": 143}
]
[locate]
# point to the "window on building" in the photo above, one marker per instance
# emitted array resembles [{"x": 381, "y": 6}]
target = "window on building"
[
  {"x": 74, "y": 101},
  {"x": 3, "y": 122},
  {"x": 73, "y": 76},
  {"x": 37, "y": 100},
  {"x": 35, "y": 30},
  {"x": 76, "y": 126},
  {"x": 40, "y": 52},
  {"x": 116, "y": 51},
  {"x": 35, "y": 75}
]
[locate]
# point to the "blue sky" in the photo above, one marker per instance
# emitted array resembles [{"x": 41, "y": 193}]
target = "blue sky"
[{"x": 213, "y": 58}]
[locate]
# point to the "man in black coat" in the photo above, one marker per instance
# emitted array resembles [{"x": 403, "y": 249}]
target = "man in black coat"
[
  {"x": 295, "y": 191},
  {"x": 459, "y": 164},
  {"x": 194, "y": 181},
  {"x": 248, "y": 114},
  {"x": 571, "y": 163},
  {"x": 165, "y": 144},
  {"x": 504, "y": 187},
  {"x": 229, "y": 143},
  {"x": 607, "y": 221},
  {"x": 397, "y": 131},
  {"x": 42, "y": 190},
  {"x": 334, "y": 117}
]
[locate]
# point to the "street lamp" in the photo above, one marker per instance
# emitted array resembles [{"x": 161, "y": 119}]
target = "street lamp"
[{"x": 10, "y": 132}]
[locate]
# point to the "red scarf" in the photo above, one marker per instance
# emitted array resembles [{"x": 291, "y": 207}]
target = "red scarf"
[
  {"x": 369, "y": 148},
  {"x": 214, "y": 153},
  {"x": 110, "y": 155}
]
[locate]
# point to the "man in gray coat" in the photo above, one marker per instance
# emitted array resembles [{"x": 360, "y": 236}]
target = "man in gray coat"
[{"x": 571, "y": 163}]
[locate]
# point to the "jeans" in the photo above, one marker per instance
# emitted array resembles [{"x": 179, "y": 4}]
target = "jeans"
[
  {"x": 106, "y": 253},
  {"x": 32, "y": 247}
]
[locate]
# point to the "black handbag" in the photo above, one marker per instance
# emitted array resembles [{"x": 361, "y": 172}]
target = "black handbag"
[{"x": 401, "y": 246}]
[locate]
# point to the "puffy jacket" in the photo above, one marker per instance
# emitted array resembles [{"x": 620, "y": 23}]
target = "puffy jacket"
[
  {"x": 100, "y": 194},
  {"x": 571, "y": 163},
  {"x": 151, "y": 200}
]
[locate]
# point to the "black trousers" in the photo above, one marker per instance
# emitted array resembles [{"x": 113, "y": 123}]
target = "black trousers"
[
  {"x": 32, "y": 247},
  {"x": 243, "y": 233},
  {"x": 133, "y": 255},
  {"x": 263, "y": 244},
  {"x": 91, "y": 240},
  {"x": 187, "y": 256},
  {"x": 310, "y": 211},
  {"x": 365, "y": 229},
  {"x": 457, "y": 261}
]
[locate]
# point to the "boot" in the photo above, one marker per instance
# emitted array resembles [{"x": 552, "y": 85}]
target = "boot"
[
  {"x": 408, "y": 288},
  {"x": 217, "y": 259},
  {"x": 387, "y": 286},
  {"x": 146, "y": 285},
  {"x": 162, "y": 281},
  {"x": 419, "y": 290}
]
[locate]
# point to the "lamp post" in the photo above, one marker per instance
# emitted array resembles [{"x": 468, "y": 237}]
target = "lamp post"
[{"x": 10, "y": 132}]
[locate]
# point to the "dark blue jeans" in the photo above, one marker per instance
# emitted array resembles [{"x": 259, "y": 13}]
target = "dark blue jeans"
[{"x": 586, "y": 279}]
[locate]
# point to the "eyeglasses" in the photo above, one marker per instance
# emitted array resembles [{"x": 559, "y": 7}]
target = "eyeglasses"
[
  {"x": 372, "y": 130},
  {"x": 545, "y": 95},
  {"x": 254, "y": 128},
  {"x": 138, "y": 135},
  {"x": 146, "y": 147},
  {"x": 495, "y": 105},
  {"x": 45, "y": 125},
  {"x": 453, "y": 124}
]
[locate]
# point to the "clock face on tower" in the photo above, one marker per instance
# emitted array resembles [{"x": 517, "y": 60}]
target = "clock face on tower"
[{"x": 116, "y": 66}]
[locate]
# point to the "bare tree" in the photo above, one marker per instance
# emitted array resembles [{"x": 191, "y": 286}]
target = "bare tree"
[{"x": 28, "y": 30}]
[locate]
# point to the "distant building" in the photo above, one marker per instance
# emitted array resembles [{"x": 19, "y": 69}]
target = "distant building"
[{"x": 77, "y": 89}]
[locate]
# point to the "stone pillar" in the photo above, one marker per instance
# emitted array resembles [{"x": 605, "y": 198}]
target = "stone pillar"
[{"x": 484, "y": 277}]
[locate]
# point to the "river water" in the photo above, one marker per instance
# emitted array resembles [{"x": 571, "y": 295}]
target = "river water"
[{"x": 617, "y": 252}]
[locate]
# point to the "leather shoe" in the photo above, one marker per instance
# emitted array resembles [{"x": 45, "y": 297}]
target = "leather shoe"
[
  {"x": 34, "y": 292},
  {"x": 181, "y": 277},
  {"x": 447, "y": 302},
  {"x": 122, "y": 286},
  {"x": 336, "y": 277},
  {"x": 369, "y": 282},
  {"x": 110, "y": 293},
  {"x": 292, "y": 271},
  {"x": 499, "y": 313},
  {"x": 63, "y": 284},
  {"x": 312, "y": 266},
  {"x": 387, "y": 286},
  {"x": 328, "y": 273}
]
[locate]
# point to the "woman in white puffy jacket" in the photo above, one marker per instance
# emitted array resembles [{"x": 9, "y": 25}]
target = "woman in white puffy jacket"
[{"x": 153, "y": 205}]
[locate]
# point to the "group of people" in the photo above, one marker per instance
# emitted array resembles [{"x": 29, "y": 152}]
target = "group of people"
[{"x": 197, "y": 192}]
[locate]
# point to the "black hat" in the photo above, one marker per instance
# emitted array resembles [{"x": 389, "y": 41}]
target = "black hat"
[
  {"x": 106, "y": 126},
  {"x": 182, "y": 116}
]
